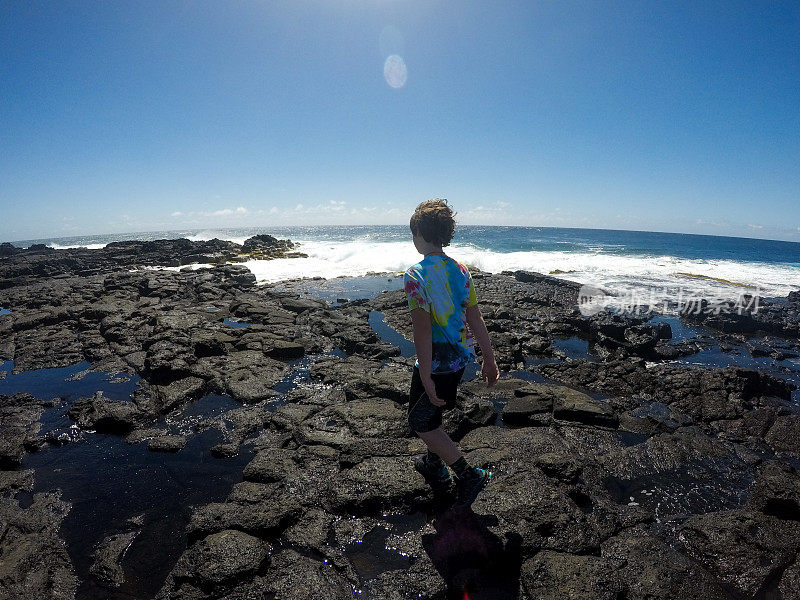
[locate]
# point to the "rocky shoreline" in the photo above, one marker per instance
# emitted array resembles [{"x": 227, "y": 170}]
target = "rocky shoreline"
[{"x": 621, "y": 472}]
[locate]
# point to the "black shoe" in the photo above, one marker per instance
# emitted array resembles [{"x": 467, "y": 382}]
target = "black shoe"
[
  {"x": 438, "y": 477},
  {"x": 468, "y": 488}
]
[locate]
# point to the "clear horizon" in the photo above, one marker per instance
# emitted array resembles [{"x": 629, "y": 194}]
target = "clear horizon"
[
  {"x": 154, "y": 116},
  {"x": 279, "y": 227}
]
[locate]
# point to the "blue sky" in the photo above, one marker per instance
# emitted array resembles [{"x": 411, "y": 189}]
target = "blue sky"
[{"x": 137, "y": 116}]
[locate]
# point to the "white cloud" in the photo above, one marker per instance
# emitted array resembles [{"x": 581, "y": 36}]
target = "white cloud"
[
  {"x": 177, "y": 213},
  {"x": 752, "y": 226},
  {"x": 222, "y": 212}
]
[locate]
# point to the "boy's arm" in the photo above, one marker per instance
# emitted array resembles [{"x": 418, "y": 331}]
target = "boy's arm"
[
  {"x": 489, "y": 371},
  {"x": 423, "y": 344}
]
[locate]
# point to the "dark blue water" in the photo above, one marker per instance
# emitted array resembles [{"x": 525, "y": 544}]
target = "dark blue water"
[
  {"x": 67, "y": 382},
  {"x": 504, "y": 239}
]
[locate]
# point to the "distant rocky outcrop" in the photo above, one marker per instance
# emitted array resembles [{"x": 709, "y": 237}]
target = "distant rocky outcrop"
[{"x": 40, "y": 261}]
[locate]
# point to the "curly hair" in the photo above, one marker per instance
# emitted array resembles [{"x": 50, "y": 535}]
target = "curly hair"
[{"x": 435, "y": 221}]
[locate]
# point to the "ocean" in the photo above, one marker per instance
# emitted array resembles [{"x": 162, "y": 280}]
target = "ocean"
[{"x": 648, "y": 267}]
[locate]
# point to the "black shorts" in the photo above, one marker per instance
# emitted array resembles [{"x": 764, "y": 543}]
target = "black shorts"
[{"x": 423, "y": 416}]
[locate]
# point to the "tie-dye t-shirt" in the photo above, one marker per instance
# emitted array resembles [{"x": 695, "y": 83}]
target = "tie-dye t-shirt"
[{"x": 443, "y": 288}]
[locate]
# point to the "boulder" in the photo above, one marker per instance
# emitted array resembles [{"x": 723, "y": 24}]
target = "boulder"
[
  {"x": 167, "y": 443},
  {"x": 222, "y": 557},
  {"x": 742, "y": 548}
]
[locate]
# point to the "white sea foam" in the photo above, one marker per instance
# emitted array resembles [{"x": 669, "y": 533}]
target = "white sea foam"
[
  {"x": 206, "y": 235},
  {"x": 55, "y": 246},
  {"x": 618, "y": 273},
  {"x": 650, "y": 279}
]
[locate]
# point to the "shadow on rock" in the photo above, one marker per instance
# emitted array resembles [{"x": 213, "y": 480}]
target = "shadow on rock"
[{"x": 473, "y": 561}]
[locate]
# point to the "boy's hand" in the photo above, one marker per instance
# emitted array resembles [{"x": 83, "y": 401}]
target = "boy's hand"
[
  {"x": 489, "y": 372},
  {"x": 430, "y": 389}
]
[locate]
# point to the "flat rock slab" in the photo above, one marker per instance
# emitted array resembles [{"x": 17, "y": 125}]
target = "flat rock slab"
[
  {"x": 559, "y": 576},
  {"x": 528, "y": 410},
  {"x": 107, "y": 565},
  {"x": 776, "y": 491},
  {"x": 221, "y": 557},
  {"x": 167, "y": 443},
  {"x": 571, "y": 405},
  {"x": 742, "y": 548},
  {"x": 381, "y": 482}
]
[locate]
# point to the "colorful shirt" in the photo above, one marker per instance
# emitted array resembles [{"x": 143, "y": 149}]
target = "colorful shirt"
[{"x": 443, "y": 288}]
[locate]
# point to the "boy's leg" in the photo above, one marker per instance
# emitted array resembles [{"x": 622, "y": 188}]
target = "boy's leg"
[
  {"x": 440, "y": 443},
  {"x": 426, "y": 420}
]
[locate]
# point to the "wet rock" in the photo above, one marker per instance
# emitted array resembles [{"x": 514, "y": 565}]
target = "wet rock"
[
  {"x": 557, "y": 575},
  {"x": 296, "y": 304},
  {"x": 104, "y": 415},
  {"x": 224, "y": 450},
  {"x": 749, "y": 315},
  {"x": 19, "y": 414},
  {"x": 292, "y": 576},
  {"x": 652, "y": 570},
  {"x": 784, "y": 434},
  {"x": 15, "y": 481},
  {"x": 255, "y": 508},
  {"x": 340, "y": 424},
  {"x": 270, "y": 466},
  {"x": 284, "y": 350},
  {"x": 470, "y": 413},
  {"x": 35, "y": 563},
  {"x": 167, "y": 443},
  {"x": 536, "y": 509},
  {"x": 364, "y": 378},
  {"x": 549, "y": 290},
  {"x": 311, "y": 530},
  {"x": 504, "y": 388},
  {"x": 531, "y": 409},
  {"x": 705, "y": 394},
  {"x": 266, "y": 246},
  {"x": 167, "y": 360},
  {"x": 211, "y": 343},
  {"x": 379, "y": 483},
  {"x": 660, "y": 417},
  {"x": 742, "y": 548},
  {"x": 177, "y": 393},
  {"x": 571, "y": 405},
  {"x": 108, "y": 556},
  {"x": 141, "y": 435},
  {"x": 789, "y": 585},
  {"x": 559, "y": 466},
  {"x": 222, "y": 557},
  {"x": 776, "y": 491}
]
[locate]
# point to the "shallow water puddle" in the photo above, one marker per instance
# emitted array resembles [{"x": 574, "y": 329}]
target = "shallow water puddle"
[
  {"x": 343, "y": 289},
  {"x": 373, "y": 554},
  {"x": 116, "y": 487},
  {"x": 573, "y": 348},
  {"x": 68, "y": 383},
  {"x": 680, "y": 330},
  {"x": 387, "y": 333},
  {"x": 788, "y": 370},
  {"x": 109, "y": 482},
  {"x": 234, "y": 323},
  {"x": 694, "y": 488}
]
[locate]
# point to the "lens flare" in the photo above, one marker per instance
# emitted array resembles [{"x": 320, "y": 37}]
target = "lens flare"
[{"x": 395, "y": 72}]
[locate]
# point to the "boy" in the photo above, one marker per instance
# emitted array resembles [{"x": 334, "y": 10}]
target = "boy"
[{"x": 444, "y": 316}]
